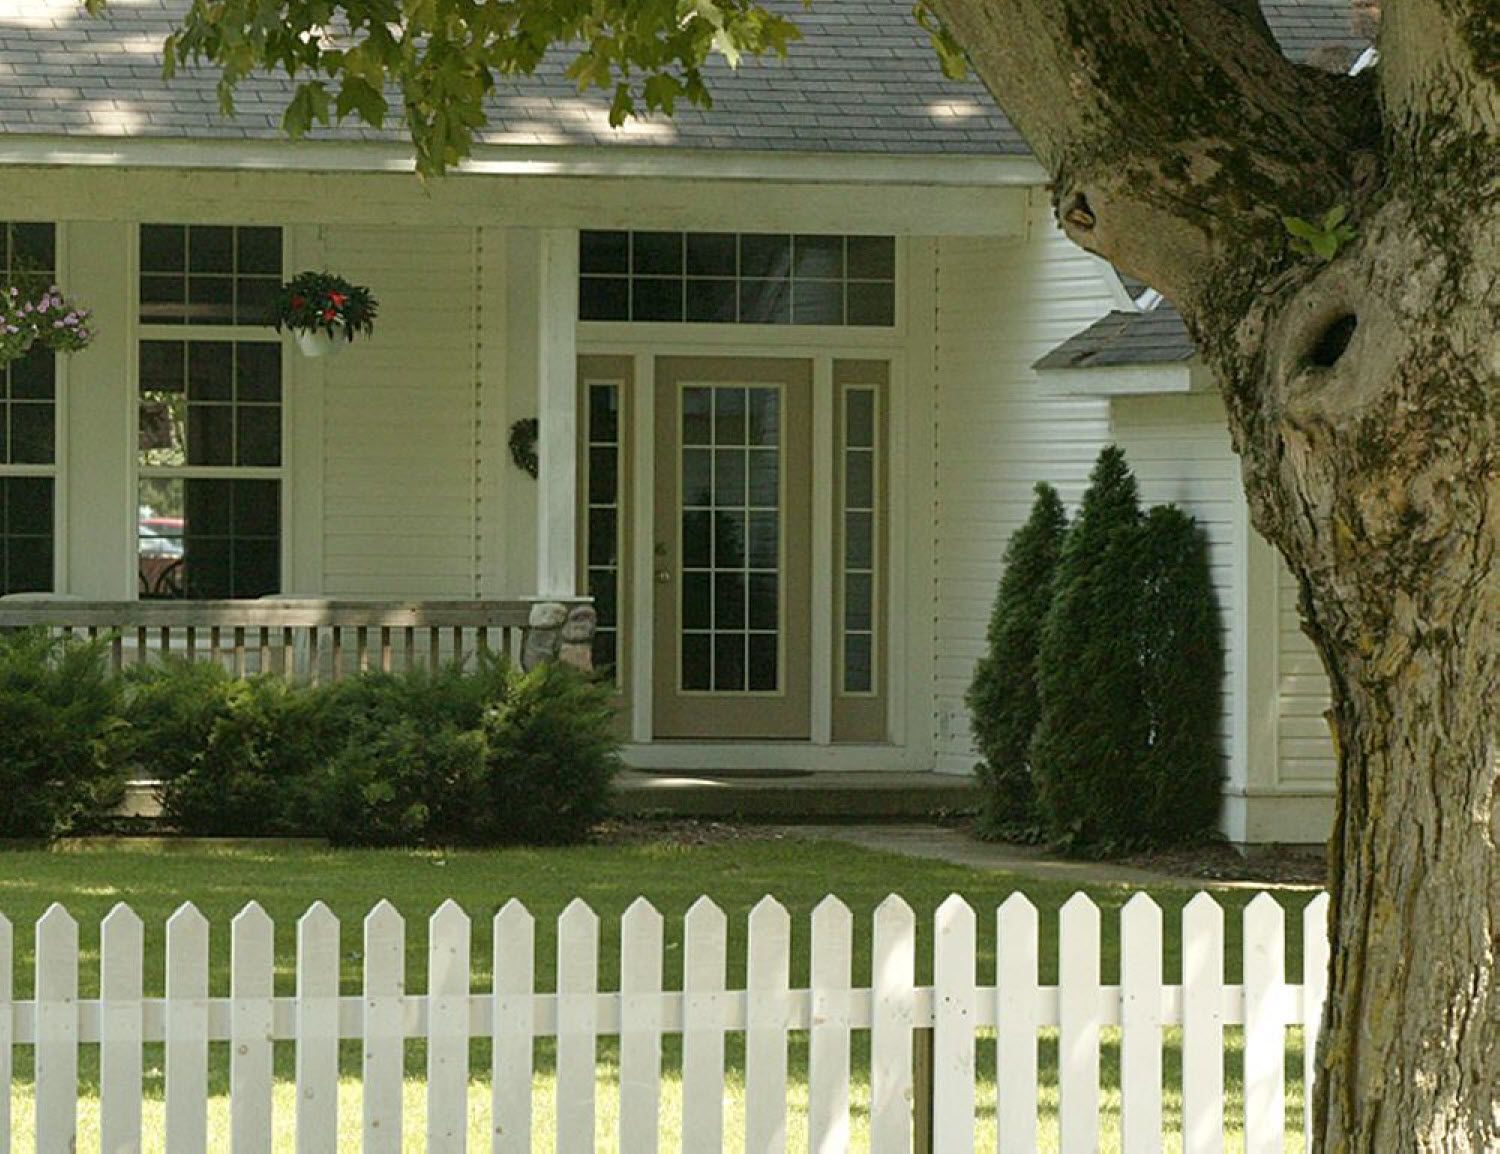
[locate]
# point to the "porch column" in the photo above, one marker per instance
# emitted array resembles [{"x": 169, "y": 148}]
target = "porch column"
[{"x": 557, "y": 413}]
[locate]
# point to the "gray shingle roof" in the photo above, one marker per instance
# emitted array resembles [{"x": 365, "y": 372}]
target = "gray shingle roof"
[
  {"x": 864, "y": 79},
  {"x": 1155, "y": 337}
]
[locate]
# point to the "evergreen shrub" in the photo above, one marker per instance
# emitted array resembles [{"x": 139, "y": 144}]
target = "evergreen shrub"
[{"x": 1002, "y": 698}]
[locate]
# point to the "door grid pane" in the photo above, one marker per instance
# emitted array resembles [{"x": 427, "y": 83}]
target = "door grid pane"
[{"x": 729, "y": 464}]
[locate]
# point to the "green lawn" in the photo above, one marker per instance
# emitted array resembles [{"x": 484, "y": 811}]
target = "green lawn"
[{"x": 735, "y": 875}]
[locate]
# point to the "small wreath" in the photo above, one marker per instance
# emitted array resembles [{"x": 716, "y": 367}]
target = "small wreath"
[{"x": 523, "y": 445}]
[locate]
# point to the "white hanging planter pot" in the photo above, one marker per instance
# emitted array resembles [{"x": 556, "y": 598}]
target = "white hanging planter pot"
[{"x": 318, "y": 343}]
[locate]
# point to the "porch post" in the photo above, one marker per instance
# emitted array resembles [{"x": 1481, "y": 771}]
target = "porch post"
[{"x": 557, "y": 414}]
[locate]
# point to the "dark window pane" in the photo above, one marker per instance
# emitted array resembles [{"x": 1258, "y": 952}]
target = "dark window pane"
[
  {"x": 257, "y": 568},
  {"x": 859, "y": 601},
  {"x": 859, "y": 417},
  {"x": 697, "y": 601},
  {"x": 765, "y": 417},
  {"x": 859, "y": 480},
  {"x": 711, "y": 254},
  {"x": 258, "y": 440},
  {"x": 872, "y": 258},
  {"x": 859, "y": 540},
  {"x": 697, "y": 661},
  {"x": 604, "y": 413},
  {"x": 210, "y": 300},
  {"x": 605, "y": 657},
  {"x": 210, "y": 435},
  {"x": 160, "y": 427},
  {"x": 210, "y": 248},
  {"x": 656, "y": 300},
  {"x": 656, "y": 253},
  {"x": 729, "y": 540},
  {"x": 35, "y": 247},
  {"x": 163, "y": 248},
  {"x": 765, "y": 541},
  {"x": 603, "y": 586},
  {"x": 762, "y": 673},
  {"x": 257, "y": 508},
  {"x": 28, "y": 506},
  {"x": 162, "y": 299},
  {"x": 257, "y": 371},
  {"x": 4, "y": 441},
  {"x": 28, "y": 565},
  {"x": 162, "y": 366},
  {"x": 4, "y": 247},
  {"x": 872, "y": 304},
  {"x": 208, "y": 567},
  {"x": 765, "y": 601},
  {"x": 207, "y": 508},
  {"x": 697, "y": 551},
  {"x": 210, "y": 371},
  {"x": 858, "y": 666},
  {"x": 259, "y": 251},
  {"x": 603, "y": 299},
  {"x": 602, "y": 537},
  {"x": 818, "y": 302},
  {"x": 604, "y": 252},
  {"x": 729, "y": 662},
  {"x": 32, "y": 436},
  {"x": 697, "y": 477},
  {"x": 729, "y": 601},
  {"x": 766, "y": 302},
  {"x": 712, "y": 301},
  {"x": 255, "y": 300},
  {"x": 34, "y": 376},
  {"x": 818, "y": 256},
  {"x": 729, "y": 477},
  {"x": 765, "y": 255},
  {"x": 765, "y": 491},
  {"x": 729, "y": 416},
  {"x": 697, "y": 421},
  {"x": 603, "y": 482}
]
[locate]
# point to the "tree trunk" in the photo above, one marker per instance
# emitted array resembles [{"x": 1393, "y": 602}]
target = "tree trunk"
[{"x": 1362, "y": 393}]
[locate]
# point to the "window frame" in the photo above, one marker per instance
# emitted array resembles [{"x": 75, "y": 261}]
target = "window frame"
[{"x": 188, "y": 334}]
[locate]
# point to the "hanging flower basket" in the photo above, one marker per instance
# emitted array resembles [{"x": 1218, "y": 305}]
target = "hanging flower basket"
[
  {"x": 44, "y": 317},
  {"x": 324, "y": 312}
]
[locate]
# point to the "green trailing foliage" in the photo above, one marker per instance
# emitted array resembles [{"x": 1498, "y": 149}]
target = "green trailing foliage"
[
  {"x": 59, "y": 722},
  {"x": 1091, "y": 729},
  {"x": 1002, "y": 699},
  {"x": 1321, "y": 239}
]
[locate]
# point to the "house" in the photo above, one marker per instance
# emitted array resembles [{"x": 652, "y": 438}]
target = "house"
[{"x": 780, "y": 353}]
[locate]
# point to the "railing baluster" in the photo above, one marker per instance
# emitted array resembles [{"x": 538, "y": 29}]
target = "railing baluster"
[
  {"x": 265, "y": 650},
  {"x": 362, "y": 647},
  {"x": 239, "y": 651},
  {"x": 288, "y": 653},
  {"x": 314, "y": 656},
  {"x": 338, "y": 653},
  {"x": 385, "y": 649}
]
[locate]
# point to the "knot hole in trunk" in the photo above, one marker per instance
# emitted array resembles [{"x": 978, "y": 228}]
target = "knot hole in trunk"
[{"x": 1330, "y": 340}]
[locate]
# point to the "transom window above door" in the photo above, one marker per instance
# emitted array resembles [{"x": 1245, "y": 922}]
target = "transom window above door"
[{"x": 737, "y": 278}]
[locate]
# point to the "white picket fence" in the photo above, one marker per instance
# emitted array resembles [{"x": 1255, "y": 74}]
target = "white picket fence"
[{"x": 56, "y": 1022}]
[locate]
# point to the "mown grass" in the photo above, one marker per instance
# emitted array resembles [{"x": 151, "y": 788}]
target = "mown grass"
[{"x": 736, "y": 875}]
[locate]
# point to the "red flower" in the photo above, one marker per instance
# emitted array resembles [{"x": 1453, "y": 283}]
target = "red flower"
[
  {"x": 298, "y": 302},
  {"x": 329, "y": 314},
  {"x": 338, "y": 299}
]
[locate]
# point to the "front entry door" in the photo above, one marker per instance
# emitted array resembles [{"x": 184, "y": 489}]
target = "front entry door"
[{"x": 732, "y": 553}]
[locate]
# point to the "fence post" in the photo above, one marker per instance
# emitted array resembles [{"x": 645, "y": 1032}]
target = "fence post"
[{"x": 922, "y": 1089}]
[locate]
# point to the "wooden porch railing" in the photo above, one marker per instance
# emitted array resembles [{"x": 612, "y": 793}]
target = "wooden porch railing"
[{"x": 314, "y": 640}]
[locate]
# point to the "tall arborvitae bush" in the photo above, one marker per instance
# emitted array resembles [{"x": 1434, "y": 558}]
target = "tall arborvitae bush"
[
  {"x": 1093, "y": 728},
  {"x": 1002, "y": 698},
  {"x": 1182, "y": 662}
]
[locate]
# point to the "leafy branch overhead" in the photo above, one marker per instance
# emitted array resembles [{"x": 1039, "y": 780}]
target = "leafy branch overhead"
[{"x": 440, "y": 59}]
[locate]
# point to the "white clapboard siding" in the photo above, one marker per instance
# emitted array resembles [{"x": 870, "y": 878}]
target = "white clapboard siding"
[
  {"x": 999, "y": 428},
  {"x": 962, "y": 1001},
  {"x": 1305, "y": 756}
]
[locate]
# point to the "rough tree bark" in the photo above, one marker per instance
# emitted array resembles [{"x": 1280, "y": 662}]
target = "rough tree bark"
[{"x": 1362, "y": 397}]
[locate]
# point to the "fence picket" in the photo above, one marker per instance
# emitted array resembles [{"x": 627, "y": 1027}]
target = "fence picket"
[
  {"x": 448, "y": 935},
  {"x": 640, "y": 1028},
  {"x": 705, "y": 952},
  {"x": 828, "y": 1047},
  {"x": 383, "y": 1056},
  {"x": 187, "y": 1032},
  {"x": 1265, "y": 1033},
  {"x": 1078, "y": 1025},
  {"x": 317, "y": 1062},
  {"x": 1017, "y": 1013},
  {"x": 577, "y": 1026},
  {"x": 56, "y": 1031},
  {"x": 510, "y": 1086},
  {"x": 1140, "y": 1025},
  {"x": 894, "y": 950},
  {"x": 121, "y": 962},
  {"x": 1202, "y": 1026},
  {"x": 954, "y": 998},
  {"x": 1315, "y": 956},
  {"x": 251, "y": 962},
  {"x": 7, "y": 1028},
  {"x": 768, "y": 977}
]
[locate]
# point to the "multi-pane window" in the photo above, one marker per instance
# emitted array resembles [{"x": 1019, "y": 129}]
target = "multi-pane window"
[
  {"x": 209, "y": 274},
  {"x": 731, "y": 538},
  {"x": 210, "y": 416},
  {"x": 737, "y": 278},
  {"x": 604, "y": 518},
  {"x": 28, "y": 428},
  {"x": 858, "y": 568}
]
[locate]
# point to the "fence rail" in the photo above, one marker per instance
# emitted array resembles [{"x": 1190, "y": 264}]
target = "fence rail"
[
  {"x": 302, "y": 639},
  {"x": 55, "y": 1022}
]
